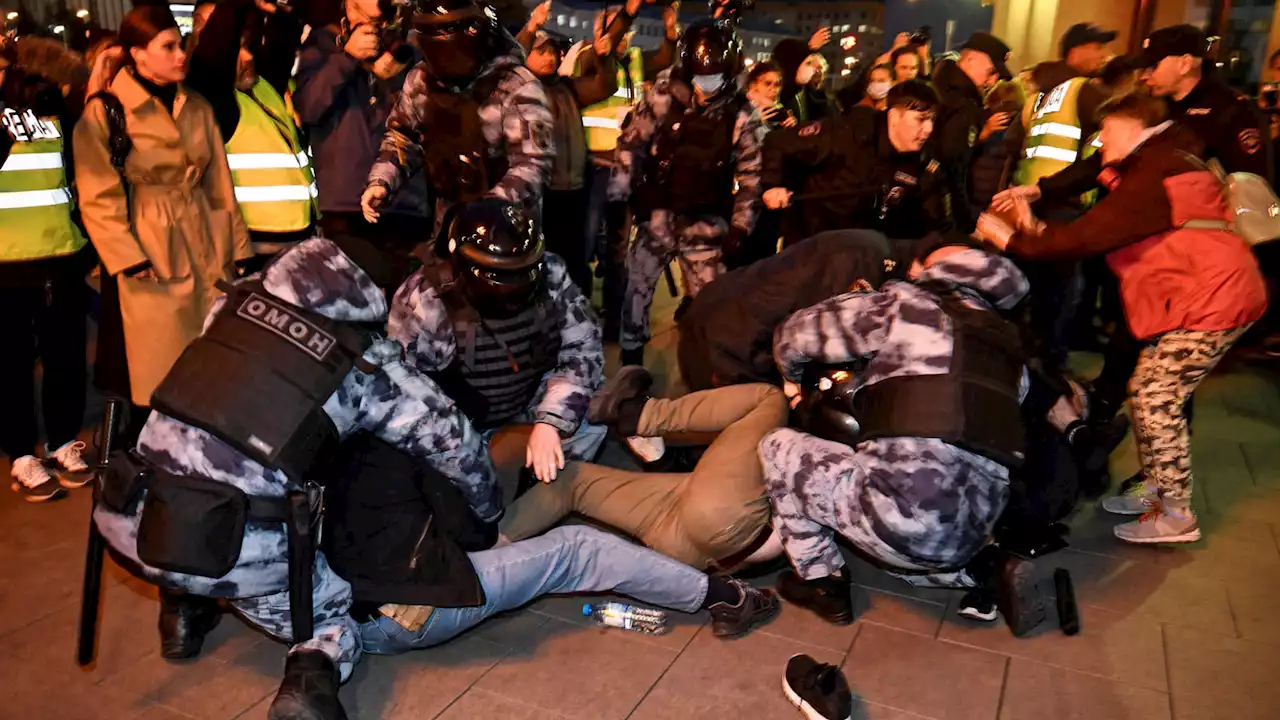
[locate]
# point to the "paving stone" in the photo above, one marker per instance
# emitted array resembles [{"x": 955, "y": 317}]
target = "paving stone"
[
  {"x": 1034, "y": 690},
  {"x": 581, "y": 672},
  {"x": 1110, "y": 644},
  {"x": 739, "y": 678},
  {"x": 481, "y": 705},
  {"x": 418, "y": 684},
  {"x": 924, "y": 675},
  {"x": 1213, "y": 677}
]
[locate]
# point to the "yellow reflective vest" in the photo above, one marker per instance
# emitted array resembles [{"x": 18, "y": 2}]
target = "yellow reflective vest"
[
  {"x": 35, "y": 199},
  {"x": 1053, "y": 133},
  {"x": 603, "y": 121},
  {"x": 270, "y": 169}
]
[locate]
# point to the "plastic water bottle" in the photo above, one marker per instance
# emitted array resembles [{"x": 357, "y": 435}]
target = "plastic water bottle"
[{"x": 627, "y": 617}]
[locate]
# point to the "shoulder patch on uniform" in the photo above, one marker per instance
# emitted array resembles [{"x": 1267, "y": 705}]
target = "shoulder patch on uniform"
[
  {"x": 812, "y": 128},
  {"x": 932, "y": 167},
  {"x": 973, "y": 135},
  {"x": 540, "y": 133},
  {"x": 1250, "y": 141}
]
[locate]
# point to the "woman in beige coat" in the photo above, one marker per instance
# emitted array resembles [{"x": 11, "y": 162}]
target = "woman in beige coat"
[{"x": 175, "y": 231}]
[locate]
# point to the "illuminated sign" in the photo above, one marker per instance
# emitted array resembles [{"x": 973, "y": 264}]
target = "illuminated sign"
[
  {"x": 182, "y": 13},
  {"x": 847, "y": 42}
]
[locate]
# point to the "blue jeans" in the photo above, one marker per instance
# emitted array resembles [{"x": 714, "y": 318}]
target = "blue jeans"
[{"x": 568, "y": 559}]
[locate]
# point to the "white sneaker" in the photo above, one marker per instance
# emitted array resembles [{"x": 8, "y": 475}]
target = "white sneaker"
[
  {"x": 1164, "y": 524},
  {"x": 32, "y": 480},
  {"x": 73, "y": 470},
  {"x": 1137, "y": 501}
]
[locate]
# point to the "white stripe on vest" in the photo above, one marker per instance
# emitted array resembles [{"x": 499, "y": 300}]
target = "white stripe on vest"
[
  {"x": 1059, "y": 129},
  {"x": 600, "y": 122},
  {"x": 1052, "y": 153},
  {"x": 275, "y": 193},
  {"x": 34, "y": 198},
  {"x": 266, "y": 161},
  {"x": 33, "y": 161}
]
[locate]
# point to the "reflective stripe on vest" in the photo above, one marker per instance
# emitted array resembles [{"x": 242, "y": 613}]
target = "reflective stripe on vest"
[
  {"x": 1054, "y": 134},
  {"x": 603, "y": 121},
  {"x": 35, "y": 200},
  {"x": 271, "y": 172}
]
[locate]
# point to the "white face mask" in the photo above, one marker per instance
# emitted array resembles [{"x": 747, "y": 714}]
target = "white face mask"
[
  {"x": 708, "y": 84},
  {"x": 804, "y": 74},
  {"x": 878, "y": 90}
]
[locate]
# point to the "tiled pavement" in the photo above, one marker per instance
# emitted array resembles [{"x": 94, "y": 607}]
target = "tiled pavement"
[{"x": 1190, "y": 633}]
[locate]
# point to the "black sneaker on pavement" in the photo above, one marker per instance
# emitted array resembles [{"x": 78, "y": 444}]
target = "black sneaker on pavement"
[
  {"x": 830, "y": 598},
  {"x": 33, "y": 481},
  {"x": 629, "y": 383},
  {"x": 1018, "y": 597},
  {"x": 979, "y": 605},
  {"x": 754, "y": 608},
  {"x": 817, "y": 689}
]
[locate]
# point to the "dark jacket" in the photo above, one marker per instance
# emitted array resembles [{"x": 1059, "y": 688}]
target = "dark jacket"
[
  {"x": 566, "y": 97},
  {"x": 848, "y": 175},
  {"x": 399, "y": 531},
  {"x": 726, "y": 335},
  {"x": 344, "y": 109},
  {"x": 1229, "y": 128},
  {"x": 955, "y": 133}
]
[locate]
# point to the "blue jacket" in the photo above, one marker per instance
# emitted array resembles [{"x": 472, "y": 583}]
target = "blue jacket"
[{"x": 332, "y": 100}]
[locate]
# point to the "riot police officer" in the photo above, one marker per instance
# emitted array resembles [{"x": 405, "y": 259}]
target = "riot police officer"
[
  {"x": 867, "y": 170},
  {"x": 219, "y": 500},
  {"x": 690, "y": 161},
  {"x": 485, "y": 113},
  {"x": 499, "y": 324}
]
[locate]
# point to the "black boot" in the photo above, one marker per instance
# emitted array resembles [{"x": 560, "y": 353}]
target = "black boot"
[
  {"x": 309, "y": 690},
  {"x": 830, "y": 598},
  {"x": 619, "y": 402},
  {"x": 185, "y": 620},
  {"x": 633, "y": 356}
]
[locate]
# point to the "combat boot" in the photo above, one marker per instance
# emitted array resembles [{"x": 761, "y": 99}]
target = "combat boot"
[
  {"x": 185, "y": 620},
  {"x": 309, "y": 690}
]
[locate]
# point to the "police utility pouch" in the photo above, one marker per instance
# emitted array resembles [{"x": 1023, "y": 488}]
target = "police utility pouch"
[
  {"x": 192, "y": 525},
  {"x": 258, "y": 379},
  {"x": 123, "y": 482}
]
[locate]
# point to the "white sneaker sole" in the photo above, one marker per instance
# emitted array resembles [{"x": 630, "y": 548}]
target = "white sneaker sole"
[
  {"x": 16, "y": 487},
  {"x": 803, "y": 706},
  {"x": 73, "y": 480},
  {"x": 1192, "y": 536}
]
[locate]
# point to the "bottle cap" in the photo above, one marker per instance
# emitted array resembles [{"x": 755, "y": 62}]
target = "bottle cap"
[{"x": 586, "y": 609}]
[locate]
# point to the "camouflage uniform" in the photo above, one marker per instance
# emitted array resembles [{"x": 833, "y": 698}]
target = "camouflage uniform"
[
  {"x": 420, "y": 322},
  {"x": 914, "y": 504},
  {"x": 393, "y": 402},
  {"x": 514, "y": 118},
  {"x": 695, "y": 241},
  {"x": 1168, "y": 372}
]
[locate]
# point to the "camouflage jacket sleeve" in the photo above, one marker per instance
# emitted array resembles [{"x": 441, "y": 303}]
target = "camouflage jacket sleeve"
[
  {"x": 748, "y": 141},
  {"x": 408, "y": 410},
  {"x": 419, "y": 321},
  {"x": 579, "y": 372},
  {"x": 400, "y": 155},
  {"x": 636, "y": 138},
  {"x": 838, "y": 330},
  {"x": 526, "y": 125}
]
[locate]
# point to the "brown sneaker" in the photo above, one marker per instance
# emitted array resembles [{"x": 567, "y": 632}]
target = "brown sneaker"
[{"x": 754, "y": 608}]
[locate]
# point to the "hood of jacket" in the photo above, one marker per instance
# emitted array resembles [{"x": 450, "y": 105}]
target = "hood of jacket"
[
  {"x": 993, "y": 278},
  {"x": 317, "y": 275},
  {"x": 949, "y": 80}
]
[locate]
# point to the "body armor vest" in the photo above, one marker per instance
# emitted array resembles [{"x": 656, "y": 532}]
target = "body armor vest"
[
  {"x": 259, "y": 376},
  {"x": 690, "y": 169},
  {"x": 460, "y": 164},
  {"x": 974, "y": 406},
  {"x": 501, "y": 360}
]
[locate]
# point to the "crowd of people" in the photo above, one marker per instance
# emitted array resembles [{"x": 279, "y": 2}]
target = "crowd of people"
[{"x": 343, "y": 256}]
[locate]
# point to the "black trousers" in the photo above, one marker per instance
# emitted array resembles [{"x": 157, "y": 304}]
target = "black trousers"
[
  {"x": 617, "y": 241},
  {"x": 45, "y": 322},
  {"x": 564, "y": 225}
]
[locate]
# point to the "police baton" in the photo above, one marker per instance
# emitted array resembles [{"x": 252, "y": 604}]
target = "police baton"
[{"x": 91, "y": 590}]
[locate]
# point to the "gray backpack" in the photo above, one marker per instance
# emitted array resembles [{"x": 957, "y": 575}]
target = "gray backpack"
[{"x": 1254, "y": 207}]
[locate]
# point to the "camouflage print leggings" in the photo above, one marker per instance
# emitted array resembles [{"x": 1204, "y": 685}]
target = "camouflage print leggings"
[
  {"x": 657, "y": 243},
  {"x": 1167, "y": 373}
]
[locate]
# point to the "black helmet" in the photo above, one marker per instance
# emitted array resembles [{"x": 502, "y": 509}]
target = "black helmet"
[
  {"x": 456, "y": 37},
  {"x": 497, "y": 254},
  {"x": 710, "y": 47}
]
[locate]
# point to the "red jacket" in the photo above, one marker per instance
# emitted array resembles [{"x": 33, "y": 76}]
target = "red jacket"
[{"x": 1171, "y": 278}]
